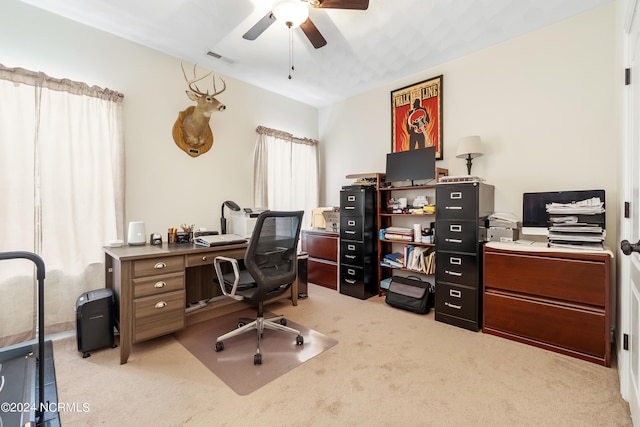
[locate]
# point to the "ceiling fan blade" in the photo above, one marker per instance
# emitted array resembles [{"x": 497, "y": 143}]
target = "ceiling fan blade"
[
  {"x": 344, "y": 4},
  {"x": 313, "y": 34},
  {"x": 260, "y": 26}
]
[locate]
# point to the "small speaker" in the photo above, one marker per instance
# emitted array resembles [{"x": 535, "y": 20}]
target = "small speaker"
[{"x": 137, "y": 234}]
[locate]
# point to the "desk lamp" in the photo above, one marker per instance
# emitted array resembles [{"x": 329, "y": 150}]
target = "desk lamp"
[
  {"x": 223, "y": 222},
  {"x": 469, "y": 147}
]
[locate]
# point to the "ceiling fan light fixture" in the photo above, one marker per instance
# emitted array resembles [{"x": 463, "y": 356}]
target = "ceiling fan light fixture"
[{"x": 291, "y": 12}]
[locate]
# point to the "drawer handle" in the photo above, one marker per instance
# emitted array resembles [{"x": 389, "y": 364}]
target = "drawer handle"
[
  {"x": 454, "y": 293},
  {"x": 159, "y": 285},
  {"x": 160, "y": 265},
  {"x": 161, "y": 304},
  {"x": 351, "y": 282},
  {"x": 350, "y": 256},
  {"x": 351, "y": 198},
  {"x": 453, "y": 273},
  {"x": 351, "y": 247},
  {"x": 204, "y": 258},
  {"x": 457, "y": 208},
  {"x": 456, "y": 195},
  {"x": 455, "y": 228},
  {"x": 457, "y": 307},
  {"x": 453, "y": 240},
  {"x": 349, "y": 232},
  {"x": 349, "y": 208},
  {"x": 455, "y": 261}
]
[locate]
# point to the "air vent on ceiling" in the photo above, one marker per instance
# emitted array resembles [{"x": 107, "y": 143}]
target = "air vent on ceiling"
[{"x": 220, "y": 57}]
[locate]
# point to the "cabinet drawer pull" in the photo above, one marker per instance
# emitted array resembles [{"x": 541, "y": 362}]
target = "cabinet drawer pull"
[
  {"x": 159, "y": 285},
  {"x": 351, "y": 198},
  {"x": 455, "y": 261},
  {"x": 457, "y": 307},
  {"x": 204, "y": 258},
  {"x": 457, "y": 228},
  {"x": 454, "y": 293},
  {"x": 350, "y": 256},
  {"x": 453, "y": 273},
  {"x": 454, "y": 240},
  {"x": 351, "y": 247},
  {"x": 456, "y": 195},
  {"x": 349, "y": 232},
  {"x": 161, "y": 304},
  {"x": 160, "y": 265},
  {"x": 351, "y": 282},
  {"x": 349, "y": 208},
  {"x": 454, "y": 207}
]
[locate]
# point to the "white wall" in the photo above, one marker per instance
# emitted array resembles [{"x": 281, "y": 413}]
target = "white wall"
[
  {"x": 165, "y": 186},
  {"x": 545, "y": 105}
]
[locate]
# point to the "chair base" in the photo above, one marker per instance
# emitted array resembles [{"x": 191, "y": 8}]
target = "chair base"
[{"x": 276, "y": 323}]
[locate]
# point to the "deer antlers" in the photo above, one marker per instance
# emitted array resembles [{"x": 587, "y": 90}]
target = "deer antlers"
[{"x": 192, "y": 82}]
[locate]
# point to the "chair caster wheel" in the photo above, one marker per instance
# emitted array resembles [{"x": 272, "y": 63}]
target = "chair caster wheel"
[
  {"x": 283, "y": 322},
  {"x": 241, "y": 324},
  {"x": 219, "y": 346},
  {"x": 257, "y": 359},
  {"x": 299, "y": 340}
]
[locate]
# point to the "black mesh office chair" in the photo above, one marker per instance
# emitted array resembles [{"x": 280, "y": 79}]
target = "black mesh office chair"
[{"x": 270, "y": 270}]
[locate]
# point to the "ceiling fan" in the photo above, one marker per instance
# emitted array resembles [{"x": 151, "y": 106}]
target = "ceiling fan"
[{"x": 296, "y": 12}]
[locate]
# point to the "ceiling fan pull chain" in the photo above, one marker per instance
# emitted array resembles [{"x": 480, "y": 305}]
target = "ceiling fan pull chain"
[{"x": 291, "y": 67}]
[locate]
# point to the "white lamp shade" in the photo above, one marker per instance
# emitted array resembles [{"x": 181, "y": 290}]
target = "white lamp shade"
[
  {"x": 469, "y": 146},
  {"x": 290, "y": 12}
]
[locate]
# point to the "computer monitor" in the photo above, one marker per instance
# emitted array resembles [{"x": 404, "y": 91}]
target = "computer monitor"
[{"x": 411, "y": 165}]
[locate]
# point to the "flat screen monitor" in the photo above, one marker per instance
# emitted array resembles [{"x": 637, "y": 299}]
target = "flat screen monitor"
[
  {"x": 411, "y": 165},
  {"x": 534, "y": 207}
]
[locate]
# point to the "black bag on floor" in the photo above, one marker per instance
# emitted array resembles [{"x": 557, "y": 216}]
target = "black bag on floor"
[{"x": 412, "y": 294}]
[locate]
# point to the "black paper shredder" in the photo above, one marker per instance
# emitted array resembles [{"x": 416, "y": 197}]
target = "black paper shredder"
[{"x": 94, "y": 320}]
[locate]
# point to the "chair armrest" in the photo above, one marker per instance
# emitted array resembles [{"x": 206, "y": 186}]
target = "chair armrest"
[{"x": 236, "y": 272}]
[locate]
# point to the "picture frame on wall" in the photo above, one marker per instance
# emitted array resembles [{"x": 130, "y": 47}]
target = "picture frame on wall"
[{"x": 416, "y": 117}]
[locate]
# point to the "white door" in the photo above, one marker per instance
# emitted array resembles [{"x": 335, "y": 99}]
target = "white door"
[{"x": 629, "y": 273}]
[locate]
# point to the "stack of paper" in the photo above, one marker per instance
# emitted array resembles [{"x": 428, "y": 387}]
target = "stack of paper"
[{"x": 576, "y": 225}]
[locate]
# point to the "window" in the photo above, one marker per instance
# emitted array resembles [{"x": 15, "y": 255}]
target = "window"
[
  {"x": 285, "y": 172},
  {"x": 62, "y": 190}
]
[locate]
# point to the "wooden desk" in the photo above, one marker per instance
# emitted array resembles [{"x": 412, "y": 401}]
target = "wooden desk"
[{"x": 153, "y": 284}]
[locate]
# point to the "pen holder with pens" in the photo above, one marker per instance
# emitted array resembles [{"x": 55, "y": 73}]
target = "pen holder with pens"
[{"x": 174, "y": 236}]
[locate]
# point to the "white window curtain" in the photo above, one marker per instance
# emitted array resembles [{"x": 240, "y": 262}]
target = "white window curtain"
[
  {"x": 62, "y": 190},
  {"x": 285, "y": 172}
]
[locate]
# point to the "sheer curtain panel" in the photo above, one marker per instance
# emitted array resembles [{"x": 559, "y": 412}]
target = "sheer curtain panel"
[
  {"x": 285, "y": 172},
  {"x": 62, "y": 174}
]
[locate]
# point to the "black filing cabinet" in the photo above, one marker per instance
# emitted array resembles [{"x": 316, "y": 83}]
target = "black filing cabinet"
[
  {"x": 461, "y": 213},
  {"x": 358, "y": 245}
]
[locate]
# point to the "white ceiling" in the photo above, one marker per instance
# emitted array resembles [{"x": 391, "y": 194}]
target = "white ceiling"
[{"x": 365, "y": 49}]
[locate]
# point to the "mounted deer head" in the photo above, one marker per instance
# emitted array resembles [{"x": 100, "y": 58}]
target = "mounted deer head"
[{"x": 191, "y": 131}]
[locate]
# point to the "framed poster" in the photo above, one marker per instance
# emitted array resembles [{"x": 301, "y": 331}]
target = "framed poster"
[{"x": 416, "y": 116}]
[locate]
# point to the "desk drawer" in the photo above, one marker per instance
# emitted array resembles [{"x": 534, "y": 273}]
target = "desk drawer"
[
  {"x": 155, "y": 266},
  {"x": 456, "y": 268},
  {"x": 580, "y": 330},
  {"x": 576, "y": 281},
  {"x": 320, "y": 246},
  {"x": 323, "y": 273},
  {"x": 158, "y": 315},
  {"x": 158, "y": 284},
  {"x": 459, "y": 301},
  {"x": 457, "y": 236}
]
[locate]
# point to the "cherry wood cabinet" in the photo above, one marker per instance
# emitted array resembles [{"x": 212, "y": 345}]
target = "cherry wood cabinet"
[
  {"x": 558, "y": 301},
  {"x": 322, "y": 266}
]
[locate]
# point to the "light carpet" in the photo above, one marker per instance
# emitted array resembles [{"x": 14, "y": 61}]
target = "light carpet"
[{"x": 234, "y": 365}]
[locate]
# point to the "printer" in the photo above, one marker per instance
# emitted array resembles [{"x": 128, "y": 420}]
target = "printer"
[{"x": 243, "y": 221}]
